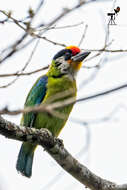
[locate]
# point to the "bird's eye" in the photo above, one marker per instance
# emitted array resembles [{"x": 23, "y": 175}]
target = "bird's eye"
[{"x": 68, "y": 56}]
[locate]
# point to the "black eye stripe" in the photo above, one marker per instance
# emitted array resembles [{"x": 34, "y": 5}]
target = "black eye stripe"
[
  {"x": 68, "y": 56},
  {"x": 57, "y": 64}
]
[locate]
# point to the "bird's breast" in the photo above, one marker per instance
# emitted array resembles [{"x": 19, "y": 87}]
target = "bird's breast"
[{"x": 59, "y": 90}]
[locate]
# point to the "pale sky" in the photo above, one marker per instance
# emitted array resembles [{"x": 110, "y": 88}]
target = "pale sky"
[{"x": 107, "y": 154}]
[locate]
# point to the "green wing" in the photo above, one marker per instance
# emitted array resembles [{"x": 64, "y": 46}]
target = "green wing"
[{"x": 35, "y": 97}]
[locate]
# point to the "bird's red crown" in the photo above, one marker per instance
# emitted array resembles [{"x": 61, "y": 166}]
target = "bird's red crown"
[{"x": 75, "y": 50}]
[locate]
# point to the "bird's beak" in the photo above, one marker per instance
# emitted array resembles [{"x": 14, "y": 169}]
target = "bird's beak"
[{"x": 80, "y": 57}]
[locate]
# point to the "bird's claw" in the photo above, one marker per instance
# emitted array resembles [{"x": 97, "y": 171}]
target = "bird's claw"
[{"x": 59, "y": 142}]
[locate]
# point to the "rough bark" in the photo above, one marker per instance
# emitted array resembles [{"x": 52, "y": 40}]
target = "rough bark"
[{"x": 56, "y": 149}]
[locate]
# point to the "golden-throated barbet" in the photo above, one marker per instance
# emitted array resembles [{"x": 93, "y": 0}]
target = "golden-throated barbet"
[{"x": 50, "y": 88}]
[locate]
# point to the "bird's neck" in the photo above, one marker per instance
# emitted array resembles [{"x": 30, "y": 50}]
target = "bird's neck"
[
  {"x": 54, "y": 71},
  {"x": 58, "y": 71}
]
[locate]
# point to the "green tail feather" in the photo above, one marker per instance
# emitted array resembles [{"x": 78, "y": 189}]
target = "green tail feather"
[{"x": 25, "y": 159}]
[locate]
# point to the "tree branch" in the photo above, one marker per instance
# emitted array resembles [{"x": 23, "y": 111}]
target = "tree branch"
[
  {"x": 53, "y": 105},
  {"x": 56, "y": 149}
]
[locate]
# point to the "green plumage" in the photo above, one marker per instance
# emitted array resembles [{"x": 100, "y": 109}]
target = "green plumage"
[
  {"x": 46, "y": 87},
  {"x": 46, "y": 120}
]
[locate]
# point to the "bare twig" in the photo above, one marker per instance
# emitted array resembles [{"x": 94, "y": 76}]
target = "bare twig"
[
  {"x": 83, "y": 36},
  {"x": 10, "y": 83},
  {"x": 50, "y": 107},
  {"x": 109, "y": 117},
  {"x": 31, "y": 31},
  {"x": 89, "y": 79},
  {"x": 44, "y": 138},
  {"x": 96, "y": 55},
  {"x": 24, "y": 74},
  {"x": 58, "y": 27},
  {"x": 107, "y": 50},
  {"x": 25, "y": 66},
  {"x": 78, "y": 155},
  {"x": 11, "y": 50}
]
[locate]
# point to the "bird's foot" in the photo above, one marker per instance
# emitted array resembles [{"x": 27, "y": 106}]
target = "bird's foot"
[{"x": 59, "y": 142}]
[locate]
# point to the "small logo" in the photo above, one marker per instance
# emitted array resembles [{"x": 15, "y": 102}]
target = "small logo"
[{"x": 112, "y": 16}]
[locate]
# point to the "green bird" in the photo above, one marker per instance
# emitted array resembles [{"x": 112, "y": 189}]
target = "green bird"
[{"x": 60, "y": 78}]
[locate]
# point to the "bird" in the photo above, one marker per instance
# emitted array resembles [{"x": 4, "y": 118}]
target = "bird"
[
  {"x": 117, "y": 10},
  {"x": 60, "y": 78}
]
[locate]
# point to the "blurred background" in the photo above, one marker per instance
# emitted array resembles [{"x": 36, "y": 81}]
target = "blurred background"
[{"x": 96, "y": 131}]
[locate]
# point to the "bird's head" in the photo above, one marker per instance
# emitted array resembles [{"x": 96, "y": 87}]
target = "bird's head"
[{"x": 68, "y": 61}]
